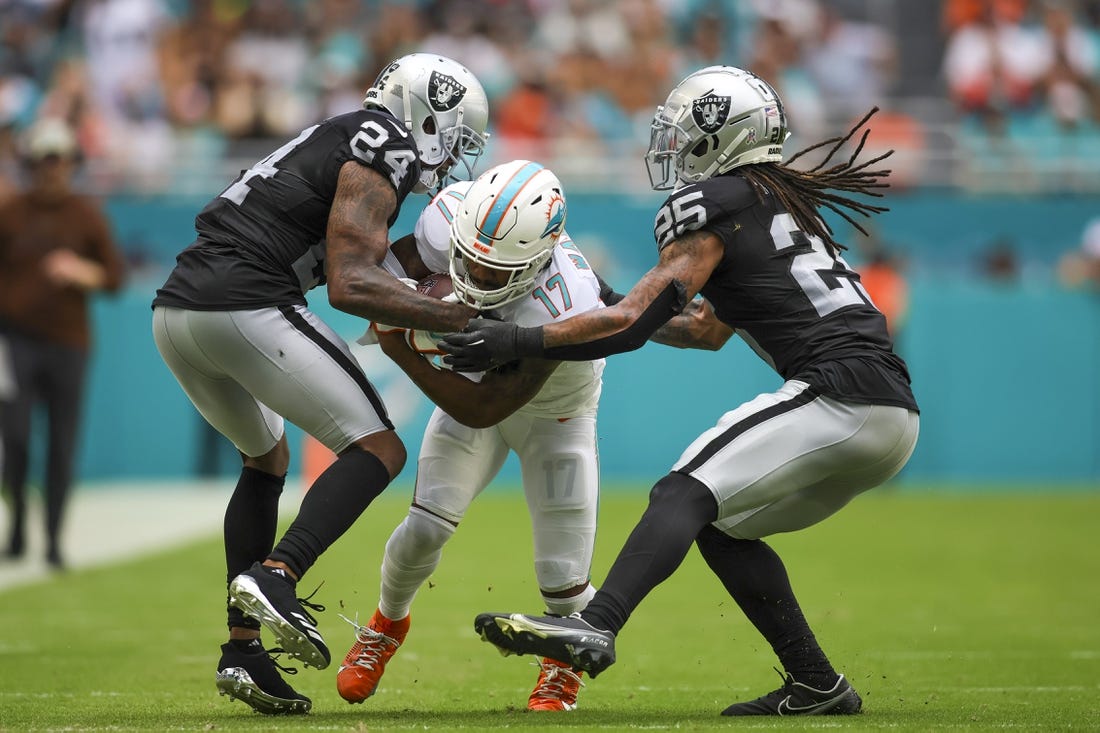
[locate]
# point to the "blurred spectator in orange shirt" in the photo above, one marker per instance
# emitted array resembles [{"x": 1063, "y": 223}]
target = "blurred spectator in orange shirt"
[{"x": 884, "y": 280}]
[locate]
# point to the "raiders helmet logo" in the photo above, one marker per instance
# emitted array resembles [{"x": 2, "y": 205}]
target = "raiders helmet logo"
[
  {"x": 710, "y": 112},
  {"x": 444, "y": 92}
]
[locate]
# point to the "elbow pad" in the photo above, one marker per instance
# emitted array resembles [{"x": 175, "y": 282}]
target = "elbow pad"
[{"x": 668, "y": 303}]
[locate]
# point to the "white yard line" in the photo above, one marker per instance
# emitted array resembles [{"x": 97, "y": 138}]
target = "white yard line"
[{"x": 113, "y": 522}]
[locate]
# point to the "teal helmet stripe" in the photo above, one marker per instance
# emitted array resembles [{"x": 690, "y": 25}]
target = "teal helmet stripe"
[{"x": 495, "y": 216}]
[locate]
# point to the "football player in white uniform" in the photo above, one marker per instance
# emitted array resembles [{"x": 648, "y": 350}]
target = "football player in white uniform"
[{"x": 503, "y": 240}]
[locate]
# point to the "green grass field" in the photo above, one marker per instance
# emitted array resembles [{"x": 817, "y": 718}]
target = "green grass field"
[{"x": 948, "y": 612}]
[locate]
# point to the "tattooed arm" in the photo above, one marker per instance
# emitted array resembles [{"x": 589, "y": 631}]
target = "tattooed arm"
[
  {"x": 475, "y": 404},
  {"x": 356, "y": 242},
  {"x": 696, "y": 328},
  {"x": 684, "y": 266}
]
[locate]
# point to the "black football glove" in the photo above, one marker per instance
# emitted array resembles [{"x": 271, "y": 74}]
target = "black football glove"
[{"x": 485, "y": 343}]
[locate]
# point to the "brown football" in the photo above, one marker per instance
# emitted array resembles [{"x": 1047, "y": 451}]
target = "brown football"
[{"x": 437, "y": 285}]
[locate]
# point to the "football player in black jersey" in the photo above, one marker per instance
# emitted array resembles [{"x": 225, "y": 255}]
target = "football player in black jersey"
[
  {"x": 743, "y": 230},
  {"x": 233, "y": 325}
]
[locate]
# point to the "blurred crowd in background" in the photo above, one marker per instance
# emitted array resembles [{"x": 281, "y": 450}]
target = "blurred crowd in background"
[
  {"x": 171, "y": 95},
  {"x": 992, "y": 106}
]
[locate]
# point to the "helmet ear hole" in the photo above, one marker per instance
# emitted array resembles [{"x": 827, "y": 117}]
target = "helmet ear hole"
[
  {"x": 428, "y": 126},
  {"x": 701, "y": 147}
]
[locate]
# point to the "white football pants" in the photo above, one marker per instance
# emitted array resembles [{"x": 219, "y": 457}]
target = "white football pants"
[{"x": 560, "y": 473}]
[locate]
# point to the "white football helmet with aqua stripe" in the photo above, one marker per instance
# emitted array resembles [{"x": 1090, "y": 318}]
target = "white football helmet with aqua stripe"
[{"x": 510, "y": 220}]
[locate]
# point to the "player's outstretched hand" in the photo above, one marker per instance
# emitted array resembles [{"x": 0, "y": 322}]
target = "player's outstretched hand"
[{"x": 486, "y": 343}]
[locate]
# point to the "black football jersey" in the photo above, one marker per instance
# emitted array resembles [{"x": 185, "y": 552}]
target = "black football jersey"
[
  {"x": 261, "y": 240},
  {"x": 800, "y": 308}
]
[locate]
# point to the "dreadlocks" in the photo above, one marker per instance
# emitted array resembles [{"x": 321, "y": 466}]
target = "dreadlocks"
[{"x": 802, "y": 193}]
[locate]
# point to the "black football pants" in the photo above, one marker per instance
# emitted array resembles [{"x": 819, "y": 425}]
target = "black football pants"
[{"x": 50, "y": 375}]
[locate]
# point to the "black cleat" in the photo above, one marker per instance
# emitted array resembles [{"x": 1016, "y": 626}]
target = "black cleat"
[
  {"x": 568, "y": 639},
  {"x": 795, "y": 698},
  {"x": 267, "y": 595},
  {"x": 253, "y": 678}
]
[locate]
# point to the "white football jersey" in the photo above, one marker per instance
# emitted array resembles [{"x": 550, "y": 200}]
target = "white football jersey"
[{"x": 565, "y": 288}]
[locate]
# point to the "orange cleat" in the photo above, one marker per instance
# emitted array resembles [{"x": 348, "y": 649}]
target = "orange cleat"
[
  {"x": 365, "y": 662},
  {"x": 557, "y": 687}
]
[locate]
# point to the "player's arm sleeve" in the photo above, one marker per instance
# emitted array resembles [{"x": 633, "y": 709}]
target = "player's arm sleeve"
[
  {"x": 668, "y": 303},
  {"x": 683, "y": 268}
]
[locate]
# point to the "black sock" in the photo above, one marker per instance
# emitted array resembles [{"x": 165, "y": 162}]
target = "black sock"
[
  {"x": 248, "y": 646},
  {"x": 679, "y": 507},
  {"x": 756, "y": 579},
  {"x": 251, "y": 519},
  {"x": 331, "y": 506}
]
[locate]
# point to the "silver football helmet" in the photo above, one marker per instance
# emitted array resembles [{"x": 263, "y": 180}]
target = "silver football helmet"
[
  {"x": 444, "y": 107},
  {"x": 715, "y": 120},
  {"x": 511, "y": 220}
]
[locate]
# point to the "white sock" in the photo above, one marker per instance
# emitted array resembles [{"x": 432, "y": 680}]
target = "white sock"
[
  {"x": 412, "y": 553},
  {"x": 567, "y": 606}
]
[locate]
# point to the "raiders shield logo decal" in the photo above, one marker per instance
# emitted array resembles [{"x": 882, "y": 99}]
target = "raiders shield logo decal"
[
  {"x": 444, "y": 92},
  {"x": 710, "y": 112}
]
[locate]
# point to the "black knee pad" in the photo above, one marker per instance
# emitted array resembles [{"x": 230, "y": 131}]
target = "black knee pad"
[{"x": 678, "y": 493}]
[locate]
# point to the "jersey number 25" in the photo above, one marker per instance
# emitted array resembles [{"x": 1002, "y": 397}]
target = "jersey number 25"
[{"x": 828, "y": 281}]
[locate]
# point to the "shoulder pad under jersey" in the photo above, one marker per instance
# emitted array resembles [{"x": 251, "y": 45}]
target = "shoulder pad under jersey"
[
  {"x": 433, "y": 227},
  {"x": 698, "y": 205}
]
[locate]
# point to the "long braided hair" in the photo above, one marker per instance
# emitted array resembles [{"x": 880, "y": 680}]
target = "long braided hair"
[{"x": 802, "y": 193}]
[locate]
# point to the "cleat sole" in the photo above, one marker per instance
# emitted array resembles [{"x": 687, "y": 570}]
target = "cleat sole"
[
  {"x": 516, "y": 637},
  {"x": 245, "y": 595},
  {"x": 236, "y": 684}
]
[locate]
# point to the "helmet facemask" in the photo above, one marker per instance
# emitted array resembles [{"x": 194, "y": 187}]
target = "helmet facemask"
[
  {"x": 665, "y": 140},
  {"x": 520, "y": 282}
]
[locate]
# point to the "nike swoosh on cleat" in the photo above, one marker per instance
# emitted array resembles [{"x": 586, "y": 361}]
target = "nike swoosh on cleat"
[{"x": 786, "y": 708}]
